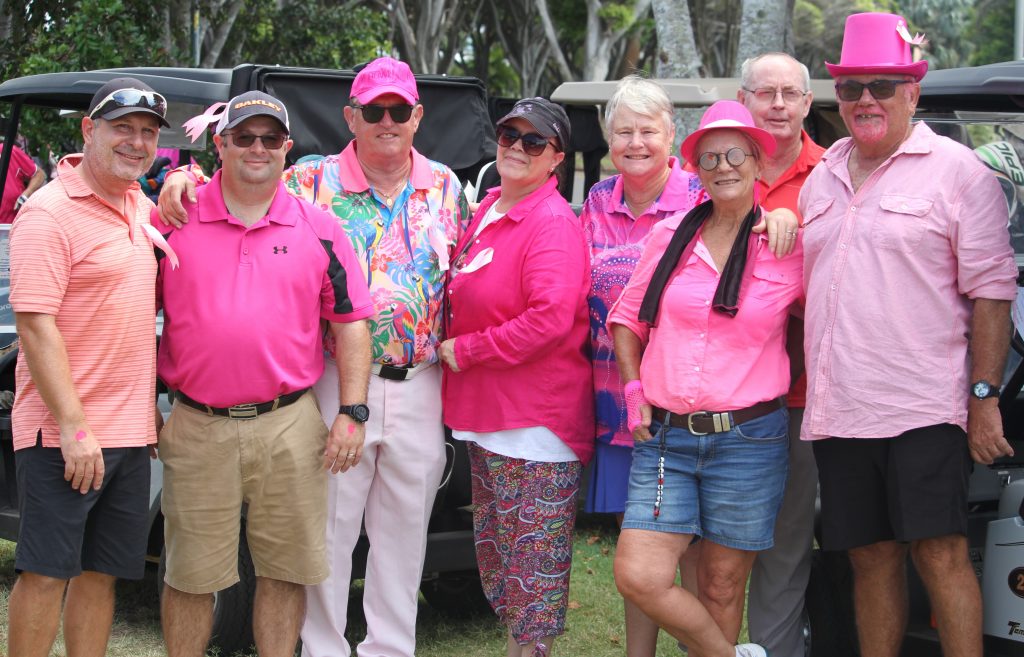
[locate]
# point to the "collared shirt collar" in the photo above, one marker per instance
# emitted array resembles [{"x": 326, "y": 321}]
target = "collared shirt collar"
[
  {"x": 354, "y": 180},
  {"x": 211, "y": 207}
]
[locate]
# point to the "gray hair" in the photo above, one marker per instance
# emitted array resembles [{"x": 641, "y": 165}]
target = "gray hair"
[
  {"x": 641, "y": 95},
  {"x": 747, "y": 68}
]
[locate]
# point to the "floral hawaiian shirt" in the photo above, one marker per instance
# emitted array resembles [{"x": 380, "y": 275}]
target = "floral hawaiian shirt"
[
  {"x": 616, "y": 240},
  {"x": 403, "y": 247}
]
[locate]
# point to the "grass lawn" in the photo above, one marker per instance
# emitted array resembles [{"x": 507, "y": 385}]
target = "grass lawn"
[{"x": 594, "y": 629}]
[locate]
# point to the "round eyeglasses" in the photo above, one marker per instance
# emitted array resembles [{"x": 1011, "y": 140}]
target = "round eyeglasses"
[{"x": 735, "y": 156}]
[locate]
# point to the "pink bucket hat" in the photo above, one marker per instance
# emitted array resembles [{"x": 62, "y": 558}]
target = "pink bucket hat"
[
  {"x": 878, "y": 43},
  {"x": 727, "y": 114},
  {"x": 385, "y": 75}
]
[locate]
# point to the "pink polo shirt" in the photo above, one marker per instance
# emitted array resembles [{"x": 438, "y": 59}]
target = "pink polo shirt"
[
  {"x": 701, "y": 360},
  {"x": 242, "y": 313},
  {"x": 520, "y": 324},
  {"x": 890, "y": 272}
]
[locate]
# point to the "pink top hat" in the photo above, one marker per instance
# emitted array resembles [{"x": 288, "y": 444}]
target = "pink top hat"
[
  {"x": 878, "y": 43},
  {"x": 727, "y": 114},
  {"x": 385, "y": 75}
]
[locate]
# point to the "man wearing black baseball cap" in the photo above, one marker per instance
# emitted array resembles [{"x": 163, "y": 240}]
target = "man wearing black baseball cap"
[
  {"x": 82, "y": 286},
  {"x": 245, "y": 423}
]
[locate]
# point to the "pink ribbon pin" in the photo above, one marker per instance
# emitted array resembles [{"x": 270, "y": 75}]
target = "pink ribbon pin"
[
  {"x": 159, "y": 241},
  {"x": 197, "y": 125}
]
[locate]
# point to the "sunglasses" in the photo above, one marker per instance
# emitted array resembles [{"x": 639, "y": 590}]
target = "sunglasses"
[
  {"x": 851, "y": 91},
  {"x": 375, "y": 113},
  {"x": 735, "y": 156},
  {"x": 534, "y": 143},
  {"x": 150, "y": 100},
  {"x": 271, "y": 142}
]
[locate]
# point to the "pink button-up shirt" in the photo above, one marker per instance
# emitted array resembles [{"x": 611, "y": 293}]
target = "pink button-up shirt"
[
  {"x": 890, "y": 271},
  {"x": 701, "y": 360}
]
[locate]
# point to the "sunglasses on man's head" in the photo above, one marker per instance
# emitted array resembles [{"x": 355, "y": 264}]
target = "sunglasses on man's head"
[
  {"x": 851, "y": 90},
  {"x": 131, "y": 98},
  {"x": 271, "y": 142},
  {"x": 534, "y": 143},
  {"x": 375, "y": 113}
]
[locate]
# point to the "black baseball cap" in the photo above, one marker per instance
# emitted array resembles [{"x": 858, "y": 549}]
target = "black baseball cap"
[
  {"x": 122, "y": 96},
  {"x": 547, "y": 118},
  {"x": 250, "y": 104}
]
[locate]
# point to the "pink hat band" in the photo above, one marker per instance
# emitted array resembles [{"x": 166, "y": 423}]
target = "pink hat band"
[
  {"x": 385, "y": 75},
  {"x": 727, "y": 115},
  {"x": 875, "y": 44}
]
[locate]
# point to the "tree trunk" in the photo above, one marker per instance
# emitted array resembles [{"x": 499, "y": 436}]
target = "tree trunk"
[
  {"x": 764, "y": 27},
  {"x": 677, "y": 55}
]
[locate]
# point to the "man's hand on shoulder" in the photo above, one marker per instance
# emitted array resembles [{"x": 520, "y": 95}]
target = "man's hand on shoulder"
[
  {"x": 83, "y": 458},
  {"x": 169, "y": 206},
  {"x": 985, "y": 431}
]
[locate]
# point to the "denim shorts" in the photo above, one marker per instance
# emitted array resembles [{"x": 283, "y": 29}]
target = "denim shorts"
[{"x": 725, "y": 487}]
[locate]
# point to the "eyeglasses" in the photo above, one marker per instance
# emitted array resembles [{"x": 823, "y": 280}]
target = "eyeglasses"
[
  {"x": 734, "y": 156},
  {"x": 271, "y": 142},
  {"x": 375, "y": 113},
  {"x": 150, "y": 100},
  {"x": 851, "y": 90},
  {"x": 534, "y": 143},
  {"x": 790, "y": 96}
]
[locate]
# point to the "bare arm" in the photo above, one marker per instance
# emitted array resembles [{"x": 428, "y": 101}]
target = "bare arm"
[
  {"x": 169, "y": 205},
  {"x": 990, "y": 338},
  {"x": 781, "y": 224},
  {"x": 37, "y": 180},
  {"x": 628, "y": 351},
  {"x": 43, "y": 348},
  {"x": 353, "y": 359}
]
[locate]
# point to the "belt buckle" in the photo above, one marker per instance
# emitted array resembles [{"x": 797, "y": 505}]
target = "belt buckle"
[
  {"x": 689, "y": 422},
  {"x": 242, "y": 412}
]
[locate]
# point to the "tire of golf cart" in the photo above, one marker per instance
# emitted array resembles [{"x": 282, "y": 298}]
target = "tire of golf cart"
[
  {"x": 232, "y": 607},
  {"x": 456, "y": 595},
  {"x": 829, "y": 606}
]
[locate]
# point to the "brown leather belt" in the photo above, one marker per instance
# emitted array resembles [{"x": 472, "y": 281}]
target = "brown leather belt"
[
  {"x": 241, "y": 411},
  {"x": 702, "y": 423}
]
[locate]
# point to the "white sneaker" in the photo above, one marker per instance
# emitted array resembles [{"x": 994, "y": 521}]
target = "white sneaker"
[{"x": 750, "y": 650}]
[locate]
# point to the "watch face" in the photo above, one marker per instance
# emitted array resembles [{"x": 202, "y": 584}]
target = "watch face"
[
  {"x": 359, "y": 412},
  {"x": 981, "y": 389}
]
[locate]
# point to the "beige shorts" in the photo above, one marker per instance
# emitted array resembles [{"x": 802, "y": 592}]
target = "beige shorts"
[{"x": 213, "y": 464}]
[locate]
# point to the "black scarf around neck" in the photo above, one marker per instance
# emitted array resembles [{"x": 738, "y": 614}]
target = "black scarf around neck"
[{"x": 727, "y": 295}]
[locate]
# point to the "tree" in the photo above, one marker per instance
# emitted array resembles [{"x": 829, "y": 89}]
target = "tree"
[
  {"x": 428, "y": 33},
  {"x": 765, "y": 26},
  {"x": 991, "y": 29}
]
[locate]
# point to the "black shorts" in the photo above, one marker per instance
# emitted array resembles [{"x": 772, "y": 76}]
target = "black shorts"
[
  {"x": 64, "y": 532},
  {"x": 907, "y": 488}
]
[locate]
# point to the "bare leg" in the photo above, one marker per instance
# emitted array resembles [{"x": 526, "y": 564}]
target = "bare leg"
[
  {"x": 645, "y": 573},
  {"x": 33, "y": 614},
  {"x": 880, "y": 597},
  {"x": 946, "y": 570},
  {"x": 187, "y": 622},
  {"x": 722, "y": 579},
  {"x": 641, "y": 631},
  {"x": 88, "y": 614},
  {"x": 530, "y": 649},
  {"x": 277, "y": 616}
]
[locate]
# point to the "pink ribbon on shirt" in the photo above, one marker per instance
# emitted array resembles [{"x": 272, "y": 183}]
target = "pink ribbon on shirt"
[
  {"x": 159, "y": 241},
  {"x": 196, "y": 126}
]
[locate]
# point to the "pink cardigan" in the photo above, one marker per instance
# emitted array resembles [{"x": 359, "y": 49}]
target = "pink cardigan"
[{"x": 521, "y": 325}]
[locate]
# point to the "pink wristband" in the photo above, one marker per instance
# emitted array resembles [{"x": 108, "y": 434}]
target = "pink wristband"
[
  {"x": 80, "y": 435},
  {"x": 634, "y": 393}
]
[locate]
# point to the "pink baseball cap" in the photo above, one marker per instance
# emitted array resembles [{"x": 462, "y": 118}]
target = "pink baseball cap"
[
  {"x": 730, "y": 115},
  {"x": 876, "y": 43},
  {"x": 385, "y": 75}
]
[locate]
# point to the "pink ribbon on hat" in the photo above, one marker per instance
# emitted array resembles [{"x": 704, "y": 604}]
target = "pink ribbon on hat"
[
  {"x": 197, "y": 125},
  {"x": 916, "y": 40}
]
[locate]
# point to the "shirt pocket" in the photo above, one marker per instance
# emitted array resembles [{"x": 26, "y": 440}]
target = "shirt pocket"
[
  {"x": 900, "y": 223},
  {"x": 774, "y": 280},
  {"x": 816, "y": 226}
]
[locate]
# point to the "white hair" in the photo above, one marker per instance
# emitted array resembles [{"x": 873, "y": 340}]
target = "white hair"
[
  {"x": 747, "y": 69},
  {"x": 641, "y": 95}
]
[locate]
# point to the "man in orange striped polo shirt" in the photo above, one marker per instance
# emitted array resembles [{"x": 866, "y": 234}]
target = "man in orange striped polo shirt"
[{"x": 82, "y": 286}]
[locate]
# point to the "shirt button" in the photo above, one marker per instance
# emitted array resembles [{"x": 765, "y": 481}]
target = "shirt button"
[
  {"x": 450, "y": 291},
  {"x": 696, "y": 369},
  {"x": 853, "y": 208},
  {"x": 842, "y": 246},
  {"x": 707, "y": 303},
  {"x": 245, "y": 251},
  {"x": 833, "y": 287},
  {"x": 702, "y": 335},
  {"x": 692, "y": 400},
  {"x": 477, "y": 242}
]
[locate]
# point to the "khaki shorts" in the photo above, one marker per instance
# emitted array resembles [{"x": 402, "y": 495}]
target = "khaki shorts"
[{"x": 274, "y": 463}]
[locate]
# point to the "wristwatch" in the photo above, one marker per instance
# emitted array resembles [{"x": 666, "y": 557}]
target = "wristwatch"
[
  {"x": 358, "y": 412},
  {"x": 984, "y": 390}
]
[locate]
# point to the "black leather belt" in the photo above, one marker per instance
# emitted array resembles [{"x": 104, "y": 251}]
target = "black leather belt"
[
  {"x": 241, "y": 411},
  {"x": 702, "y": 423}
]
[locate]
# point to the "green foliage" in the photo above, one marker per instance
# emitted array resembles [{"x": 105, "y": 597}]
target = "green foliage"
[
  {"x": 991, "y": 31},
  {"x": 320, "y": 34},
  {"x": 616, "y": 16},
  {"x": 942, "y": 21}
]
